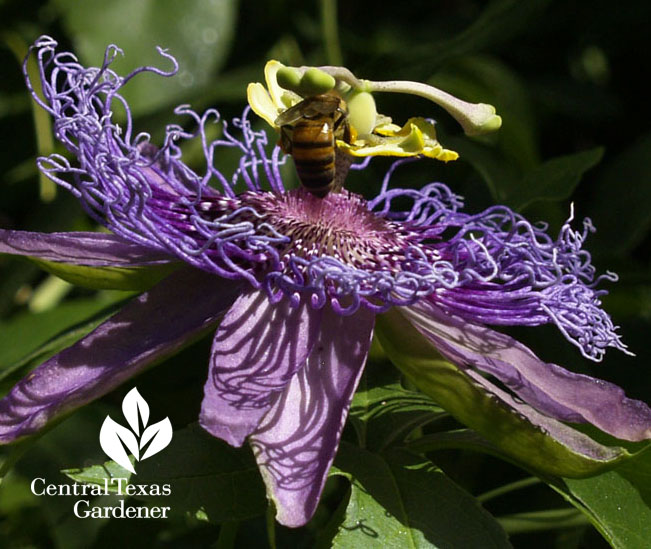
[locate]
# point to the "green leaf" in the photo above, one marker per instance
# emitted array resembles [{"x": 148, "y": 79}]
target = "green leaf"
[
  {"x": 108, "y": 278},
  {"x": 621, "y": 200},
  {"x": 526, "y": 443},
  {"x": 401, "y": 500},
  {"x": 553, "y": 180},
  {"x": 197, "y": 33},
  {"x": 618, "y": 502},
  {"x": 98, "y": 474},
  {"x": 208, "y": 478},
  {"x": 389, "y": 413}
]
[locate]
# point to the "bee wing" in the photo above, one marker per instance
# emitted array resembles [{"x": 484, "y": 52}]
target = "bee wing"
[
  {"x": 310, "y": 107},
  {"x": 291, "y": 115}
]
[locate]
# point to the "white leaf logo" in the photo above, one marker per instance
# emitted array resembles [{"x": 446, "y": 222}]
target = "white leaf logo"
[
  {"x": 160, "y": 435},
  {"x": 113, "y": 437},
  {"x": 133, "y": 406}
]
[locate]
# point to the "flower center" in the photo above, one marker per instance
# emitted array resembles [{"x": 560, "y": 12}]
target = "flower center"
[{"x": 338, "y": 226}]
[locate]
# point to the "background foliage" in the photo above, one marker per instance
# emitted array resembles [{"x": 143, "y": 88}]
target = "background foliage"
[{"x": 566, "y": 76}]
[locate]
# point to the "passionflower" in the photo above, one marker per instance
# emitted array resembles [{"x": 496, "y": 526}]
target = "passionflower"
[{"x": 294, "y": 284}]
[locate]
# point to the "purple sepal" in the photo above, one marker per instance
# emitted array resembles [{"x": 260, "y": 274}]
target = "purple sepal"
[
  {"x": 153, "y": 325},
  {"x": 90, "y": 249},
  {"x": 565, "y": 434},
  {"x": 547, "y": 387},
  {"x": 257, "y": 349},
  {"x": 298, "y": 438}
]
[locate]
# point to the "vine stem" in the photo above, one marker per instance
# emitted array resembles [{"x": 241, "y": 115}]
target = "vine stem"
[
  {"x": 507, "y": 488},
  {"x": 331, "y": 32}
]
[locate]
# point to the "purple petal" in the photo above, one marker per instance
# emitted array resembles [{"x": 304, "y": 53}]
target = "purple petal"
[
  {"x": 566, "y": 435},
  {"x": 258, "y": 347},
  {"x": 153, "y": 325},
  {"x": 299, "y": 436},
  {"x": 90, "y": 249},
  {"x": 547, "y": 387}
]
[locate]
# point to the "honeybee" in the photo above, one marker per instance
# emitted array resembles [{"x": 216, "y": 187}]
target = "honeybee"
[{"x": 307, "y": 132}]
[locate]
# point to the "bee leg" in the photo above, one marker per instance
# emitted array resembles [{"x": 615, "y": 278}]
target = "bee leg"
[
  {"x": 344, "y": 130},
  {"x": 340, "y": 119},
  {"x": 350, "y": 134},
  {"x": 285, "y": 140},
  {"x": 342, "y": 164}
]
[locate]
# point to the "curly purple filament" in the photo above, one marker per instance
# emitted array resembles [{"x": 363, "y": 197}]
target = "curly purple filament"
[{"x": 493, "y": 267}]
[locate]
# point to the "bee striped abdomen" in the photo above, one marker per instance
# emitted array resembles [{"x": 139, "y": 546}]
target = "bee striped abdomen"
[{"x": 314, "y": 154}]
